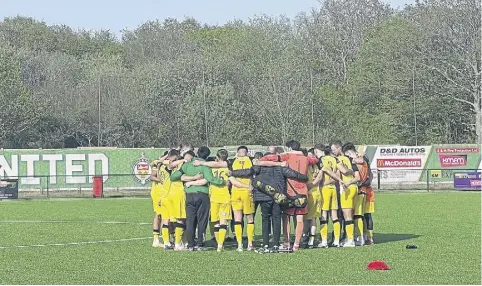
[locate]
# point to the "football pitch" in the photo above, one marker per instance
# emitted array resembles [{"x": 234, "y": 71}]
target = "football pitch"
[{"x": 108, "y": 241}]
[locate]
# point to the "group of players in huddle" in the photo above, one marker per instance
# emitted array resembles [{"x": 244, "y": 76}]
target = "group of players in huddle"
[{"x": 323, "y": 183}]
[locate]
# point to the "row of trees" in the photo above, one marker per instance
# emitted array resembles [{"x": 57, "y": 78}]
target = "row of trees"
[{"x": 349, "y": 70}]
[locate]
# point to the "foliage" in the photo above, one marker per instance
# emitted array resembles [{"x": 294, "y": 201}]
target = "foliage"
[{"x": 352, "y": 70}]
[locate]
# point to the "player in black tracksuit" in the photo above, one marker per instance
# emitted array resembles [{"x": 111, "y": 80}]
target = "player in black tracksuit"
[{"x": 275, "y": 177}]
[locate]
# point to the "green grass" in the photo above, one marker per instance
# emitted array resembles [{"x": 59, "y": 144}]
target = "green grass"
[{"x": 445, "y": 226}]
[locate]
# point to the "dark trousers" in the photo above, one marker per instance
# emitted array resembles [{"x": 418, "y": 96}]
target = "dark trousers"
[
  {"x": 271, "y": 215},
  {"x": 197, "y": 213}
]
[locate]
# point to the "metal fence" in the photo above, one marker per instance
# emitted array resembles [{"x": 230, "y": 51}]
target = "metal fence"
[{"x": 120, "y": 185}]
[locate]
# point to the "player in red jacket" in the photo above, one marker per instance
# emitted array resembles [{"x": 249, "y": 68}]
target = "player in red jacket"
[{"x": 299, "y": 162}]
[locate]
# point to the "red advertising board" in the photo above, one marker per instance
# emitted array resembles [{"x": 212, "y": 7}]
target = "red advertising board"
[
  {"x": 448, "y": 161},
  {"x": 406, "y": 163}
]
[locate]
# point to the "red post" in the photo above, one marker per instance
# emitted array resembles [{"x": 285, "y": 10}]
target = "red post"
[{"x": 98, "y": 187}]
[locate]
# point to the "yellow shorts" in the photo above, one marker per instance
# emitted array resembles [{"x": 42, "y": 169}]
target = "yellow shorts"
[
  {"x": 347, "y": 198},
  {"x": 156, "y": 197},
  {"x": 177, "y": 204},
  {"x": 220, "y": 211},
  {"x": 164, "y": 208},
  {"x": 369, "y": 207},
  {"x": 359, "y": 204},
  {"x": 242, "y": 201},
  {"x": 314, "y": 204},
  {"x": 329, "y": 199}
]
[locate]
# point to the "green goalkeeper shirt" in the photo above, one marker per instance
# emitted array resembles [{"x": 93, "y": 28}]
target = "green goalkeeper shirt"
[{"x": 189, "y": 169}]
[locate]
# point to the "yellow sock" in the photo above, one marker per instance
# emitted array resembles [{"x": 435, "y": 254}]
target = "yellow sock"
[
  {"x": 250, "y": 231},
  {"x": 178, "y": 233},
  {"x": 350, "y": 229},
  {"x": 370, "y": 234},
  {"x": 238, "y": 231},
  {"x": 336, "y": 230},
  {"x": 359, "y": 226},
  {"x": 165, "y": 234},
  {"x": 324, "y": 230},
  {"x": 222, "y": 234}
]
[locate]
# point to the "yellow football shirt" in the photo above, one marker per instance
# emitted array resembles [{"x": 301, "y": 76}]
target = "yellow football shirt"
[
  {"x": 166, "y": 181},
  {"x": 312, "y": 174},
  {"x": 347, "y": 162},
  {"x": 220, "y": 194},
  {"x": 238, "y": 164},
  {"x": 176, "y": 186},
  {"x": 329, "y": 163}
]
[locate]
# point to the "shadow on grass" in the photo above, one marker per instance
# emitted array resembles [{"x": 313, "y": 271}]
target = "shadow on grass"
[{"x": 391, "y": 237}]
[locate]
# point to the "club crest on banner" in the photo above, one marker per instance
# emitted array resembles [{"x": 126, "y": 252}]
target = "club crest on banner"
[{"x": 142, "y": 170}]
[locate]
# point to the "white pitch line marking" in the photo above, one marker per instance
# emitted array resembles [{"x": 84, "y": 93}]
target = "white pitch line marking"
[
  {"x": 76, "y": 243},
  {"x": 73, "y": 221}
]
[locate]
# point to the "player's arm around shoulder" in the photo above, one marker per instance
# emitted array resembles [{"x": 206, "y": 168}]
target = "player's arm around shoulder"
[
  {"x": 292, "y": 174},
  {"x": 242, "y": 173},
  {"x": 179, "y": 172}
]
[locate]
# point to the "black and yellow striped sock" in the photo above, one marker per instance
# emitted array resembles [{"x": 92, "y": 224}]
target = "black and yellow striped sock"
[
  {"x": 223, "y": 229},
  {"x": 359, "y": 225},
  {"x": 155, "y": 233},
  {"x": 216, "y": 233},
  {"x": 179, "y": 231}
]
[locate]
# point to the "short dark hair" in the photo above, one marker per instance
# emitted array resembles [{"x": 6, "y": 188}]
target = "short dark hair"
[
  {"x": 258, "y": 155},
  {"x": 173, "y": 152},
  {"x": 320, "y": 146},
  {"x": 336, "y": 143},
  {"x": 305, "y": 152},
  {"x": 348, "y": 146},
  {"x": 243, "y": 147},
  {"x": 203, "y": 152},
  {"x": 312, "y": 150},
  {"x": 294, "y": 145},
  {"x": 327, "y": 150},
  {"x": 279, "y": 150},
  {"x": 165, "y": 153},
  {"x": 222, "y": 154},
  {"x": 190, "y": 152}
]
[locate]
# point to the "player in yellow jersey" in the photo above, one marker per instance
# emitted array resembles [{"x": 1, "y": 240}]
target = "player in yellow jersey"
[
  {"x": 177, "y": 201},
  {"x": 328, "y": 176},
  {"x": 348, "y": 189},
  {"x": 164, "y": 174},
  {"x": 156, "y": 198},
  {"x": 220, "y": 201},
  {"x": 241, "y": 198},
  {"x": 314, "y": 202},
  {"x": 364, "y": 202}
]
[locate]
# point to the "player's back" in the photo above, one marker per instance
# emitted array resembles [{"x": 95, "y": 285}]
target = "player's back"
[
  {"x": 220, "y": 194},
  {"x": 165, "y": 175},
  {"x": 330, "y": 163},
  {"x": 176, "y": 187},
  {"x": 312, "y": 174},
  {"x": 348, "y": 163},
  {"x": 238, "y": 164},
  {"x": 299, "y": 163}
]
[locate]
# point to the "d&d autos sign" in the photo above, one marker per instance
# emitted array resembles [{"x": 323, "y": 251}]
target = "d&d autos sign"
[{"x": 401, "y": 163}]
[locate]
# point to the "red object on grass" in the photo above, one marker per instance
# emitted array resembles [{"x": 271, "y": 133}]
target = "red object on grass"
[{"x": 378, "y": 265}]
